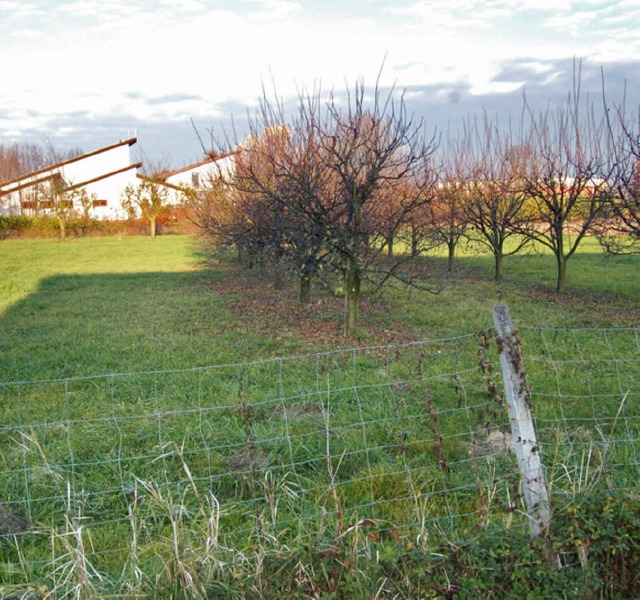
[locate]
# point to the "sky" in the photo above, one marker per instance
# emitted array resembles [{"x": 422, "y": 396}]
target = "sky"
[{"x": 88, "y": 73}]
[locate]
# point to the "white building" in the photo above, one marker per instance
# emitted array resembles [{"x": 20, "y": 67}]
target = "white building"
[
  {"x": 103, "y": 174},
  {"x": 196, "y": 176}
]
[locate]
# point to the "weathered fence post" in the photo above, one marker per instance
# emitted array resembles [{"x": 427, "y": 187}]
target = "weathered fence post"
[{"x": 525, "y": 440}]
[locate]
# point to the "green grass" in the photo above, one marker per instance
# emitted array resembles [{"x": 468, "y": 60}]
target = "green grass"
[
  {"x": 196, "y": 441},
  {"x": 103, "y": 305}
]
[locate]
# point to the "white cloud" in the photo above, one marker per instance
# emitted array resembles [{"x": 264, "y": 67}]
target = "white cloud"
[
  {"x": 19, "y": 9},
  {"x": 26, "y": 34},
  {"x": 495, "y": 87},
  {"x": 185, "y": 5},
  {"x": 88, "y": 56},
  {"x": 273, "y": 9}
]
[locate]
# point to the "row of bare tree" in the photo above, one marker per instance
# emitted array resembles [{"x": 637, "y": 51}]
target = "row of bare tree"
[{"x": 339, "y": 182}]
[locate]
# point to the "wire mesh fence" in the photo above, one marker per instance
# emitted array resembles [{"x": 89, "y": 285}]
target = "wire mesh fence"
[{"x": 408, "y": 443}]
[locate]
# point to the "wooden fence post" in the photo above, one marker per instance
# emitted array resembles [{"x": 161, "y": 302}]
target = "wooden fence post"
[{"x": 525, "y": 441}]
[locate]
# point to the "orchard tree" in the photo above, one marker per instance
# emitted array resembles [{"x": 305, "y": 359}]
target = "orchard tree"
[
  {"x": 304, "y": 184},
  {"x": 495, "y": 202},
  {"x": 619, "y": 231},
  {"x": 260, "y": 206},
  {"x": 261, "y": 190},
  {"x": 150, "y": 197},
  {"x": 217, "y": 215},
  {"x": 567, "y": 179},
  {"x": 446, "y": 217},
  {"x": 315, "y": 188},
  {"x": 370, "y": 152}
]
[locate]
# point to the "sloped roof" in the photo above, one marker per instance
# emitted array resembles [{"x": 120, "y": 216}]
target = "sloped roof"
[
  {"x": 206, "y": 161},
  {"x": 69, "y": 161},
  {"x": 31, "y": 182},
  {"x": 160, "y": 181}
]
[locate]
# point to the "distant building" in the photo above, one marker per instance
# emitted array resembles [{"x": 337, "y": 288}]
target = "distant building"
[
  {"x": 196, "y": 176},
  {"x": 103, "y": 174}
]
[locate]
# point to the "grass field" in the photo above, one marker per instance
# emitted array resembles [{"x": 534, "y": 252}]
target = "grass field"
[
  {"x": 102, "y": 305},
  {"x": 174, "y": 427}
]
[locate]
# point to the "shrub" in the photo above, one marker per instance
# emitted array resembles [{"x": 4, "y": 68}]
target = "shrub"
[{"x": 13, "y": 225}]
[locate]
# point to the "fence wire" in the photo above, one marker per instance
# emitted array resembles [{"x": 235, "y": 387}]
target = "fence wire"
[{"x": 407, "y": 443}]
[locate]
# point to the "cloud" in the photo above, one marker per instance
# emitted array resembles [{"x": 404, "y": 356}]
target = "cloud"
[
  {"x": 273, "y": 9},
  {"x": 155, "y": 64},
  {"x": 172, "y": 99},
  {"x": 14, "y": 9},
  {"x": 530, "y": 70},
  {"x": 172, "y": 139}
]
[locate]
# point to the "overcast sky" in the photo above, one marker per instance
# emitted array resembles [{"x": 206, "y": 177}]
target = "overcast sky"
[{"x": 88, "y": 73}]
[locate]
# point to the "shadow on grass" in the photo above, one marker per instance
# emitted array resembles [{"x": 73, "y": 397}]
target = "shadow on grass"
[{"x": 75, "y": 325}]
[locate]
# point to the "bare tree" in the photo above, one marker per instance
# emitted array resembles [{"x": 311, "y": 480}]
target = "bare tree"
[
  {"x": 566, "y": 179},
  {"x": 321, "y": 187},
  {"x": 446, "y": 218},
  {"x": 19, "y": 159},
  {"x": 370, "y": 151},
  {"x": 304, "y": 182},
  {"x": 215, "y": 213},
  {"x": 619, "y": 230},
  {"x": 22, "y": 158},
  {"x": 496, "y": 192}
]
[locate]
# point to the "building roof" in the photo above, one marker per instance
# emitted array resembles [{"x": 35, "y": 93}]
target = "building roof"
[
  {"x": 212, "y": 158},
  {"x": 128, "y": 142},
  {"x": 21, "y": 186},
  {"x": 160, "y": 181}
]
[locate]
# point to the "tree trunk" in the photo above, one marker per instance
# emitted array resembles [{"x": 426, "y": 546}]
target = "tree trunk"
[
  {"x": 561, "y": 259},
  {"x": 152, "y": 227},
  {"x": 352, "y": 300},
  {"x": 305, "y": 289},
  {"x": 497, "y": 256},
  {"x": 414, "y": 241},
  {"x": 390, "y": 245},
  {"x": 451, "y": 245},
  {"x": 63, "y": 228},
  {"x": 561, "y": 283},
  {"x": 278, "y": 276}
]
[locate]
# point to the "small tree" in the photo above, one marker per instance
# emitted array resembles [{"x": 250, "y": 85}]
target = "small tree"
[
  {"x": 260, "y": 189},
  {"x": 494, "y": 206},
  {"x": 567, "y": 179},
  {"x": 619, "y": 230},
  {"x": 216, "y": 214},
  {"x": 67, "y": 202},
  {"x": 370, "y": 152},
  {"x": 322, "y": 188},
  {"x": 150, "y": 197},
  {"x": 445, "y": 216}
]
